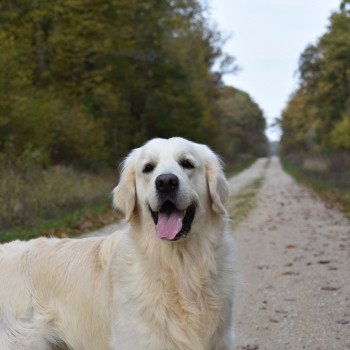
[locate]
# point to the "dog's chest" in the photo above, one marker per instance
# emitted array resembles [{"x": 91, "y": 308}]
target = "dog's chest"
[
  {"x": 166, "y": 310},
  {"x": 193, "y": 307}
]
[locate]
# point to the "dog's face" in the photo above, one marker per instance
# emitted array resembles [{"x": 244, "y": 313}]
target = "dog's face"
[{"x": 174, "y": 183}]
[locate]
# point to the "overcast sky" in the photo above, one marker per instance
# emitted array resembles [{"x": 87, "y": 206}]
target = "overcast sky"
[{"x": 268, "y": 37}]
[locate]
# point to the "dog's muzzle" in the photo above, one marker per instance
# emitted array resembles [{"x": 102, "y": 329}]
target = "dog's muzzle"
[{"x": 171, "y": 223}]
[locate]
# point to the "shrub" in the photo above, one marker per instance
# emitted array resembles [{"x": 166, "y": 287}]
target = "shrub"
[{"x": 26, "y": 195}]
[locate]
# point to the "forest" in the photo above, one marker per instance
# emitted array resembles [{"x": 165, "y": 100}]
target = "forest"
[
  {"x": 83, "y": 82},
  {"x": 317, "y": 117},
  {"x": 315, "y": 144}
]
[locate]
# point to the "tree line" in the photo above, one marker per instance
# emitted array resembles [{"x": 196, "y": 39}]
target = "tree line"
[
  {"x": 82, "y": 82},
  {"x": 317, "y": 117}
]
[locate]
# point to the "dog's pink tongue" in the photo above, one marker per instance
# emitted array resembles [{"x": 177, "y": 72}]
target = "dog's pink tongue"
[{"x": 169, "y": 225}]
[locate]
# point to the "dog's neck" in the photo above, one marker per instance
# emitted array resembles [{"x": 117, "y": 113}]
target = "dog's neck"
[
  {"x": 173, "y": 256},
  {"x": 184, "y": 275}
]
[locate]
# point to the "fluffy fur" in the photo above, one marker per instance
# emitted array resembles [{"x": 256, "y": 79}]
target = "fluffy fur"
[{"x": 129, "y": 290}]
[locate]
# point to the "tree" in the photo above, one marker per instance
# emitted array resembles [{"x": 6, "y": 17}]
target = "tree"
[
  {"x": 319, "y": 109},
  {"x": 82, "y": 82},
  {"x": 242, "y": 124}
]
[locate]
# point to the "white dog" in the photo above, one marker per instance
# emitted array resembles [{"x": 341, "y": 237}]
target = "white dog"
[{"x": 163, "y": 283}]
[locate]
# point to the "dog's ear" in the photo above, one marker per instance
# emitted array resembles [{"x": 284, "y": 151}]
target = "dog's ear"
[
  {"x": 217, "y": 183},
  {"x": 124, "y": 195}
]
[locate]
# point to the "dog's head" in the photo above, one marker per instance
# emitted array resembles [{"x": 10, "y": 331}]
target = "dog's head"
[{"x": 175, "y": 183}]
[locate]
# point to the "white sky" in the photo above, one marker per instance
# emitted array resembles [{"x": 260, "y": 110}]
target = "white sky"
[{"x": 268, "y": 37}]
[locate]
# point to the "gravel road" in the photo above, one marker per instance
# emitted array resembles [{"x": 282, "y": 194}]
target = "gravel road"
[
  {"x": 295, "y": 263},
  {"x": 294, "y": 257},
  {"x": 247, "y": 176}
]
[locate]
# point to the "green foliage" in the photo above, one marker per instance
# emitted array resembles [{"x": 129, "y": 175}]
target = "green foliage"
[
  {"x": 242, "y": 124},
  {"x": 341, "y": 133},
  {"x": 82, "y": 82},
  {"x": 345, "y": 5},
  {"x": 316, "y": 117},
  {"x": 316, "y": 122}
]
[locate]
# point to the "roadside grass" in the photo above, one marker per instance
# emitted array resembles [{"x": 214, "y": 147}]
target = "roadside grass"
[
  {"x": 236, "y": 167},
  {"x": 58, "y": 201},
  {"x": 80, "y": 221},
  {"x": 63, "y": 202},
  {"x": 233, "y": 168},
  {"x": 242, "y": 203},
  {"x": 333, "y": 187}
]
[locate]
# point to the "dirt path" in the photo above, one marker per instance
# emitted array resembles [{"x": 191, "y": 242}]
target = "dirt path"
[
  {"x": 247, "y": 176},
  {"x": 295, "y": 262}
]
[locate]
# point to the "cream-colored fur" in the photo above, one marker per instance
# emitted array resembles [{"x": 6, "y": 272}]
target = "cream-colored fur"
[{"x": 129, "y": 290}]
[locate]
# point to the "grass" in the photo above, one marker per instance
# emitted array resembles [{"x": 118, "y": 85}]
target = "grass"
[
  {"x": 58, "y": 201},
  {"x": 236, "y": 167},
  {"x": 332, "y": 186},
  {"x": 243, "y": 202},
  {"x": 76, "y": 223},
  {"x": 62, "y": 201}
]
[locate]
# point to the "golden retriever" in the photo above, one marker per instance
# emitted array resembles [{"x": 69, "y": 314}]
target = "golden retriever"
[{"x": 165, "y": 282}]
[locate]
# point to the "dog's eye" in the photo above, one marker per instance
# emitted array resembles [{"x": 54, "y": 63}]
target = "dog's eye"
[
  {"x": 186, "y": 164},
  {"x": 148, "y": 168}
]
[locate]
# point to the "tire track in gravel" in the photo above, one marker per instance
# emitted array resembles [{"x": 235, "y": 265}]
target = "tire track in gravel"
[{"x": 294, "y": 254}]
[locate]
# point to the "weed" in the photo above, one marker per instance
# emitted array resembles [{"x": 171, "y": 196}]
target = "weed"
[
  {"x": 29, "y": 198},
  {"x": 238, "y": 166},
  {"x": 76, "y": 223},
  {"x": 332, "y": 186},
  {"x": 243, "y": 202}
]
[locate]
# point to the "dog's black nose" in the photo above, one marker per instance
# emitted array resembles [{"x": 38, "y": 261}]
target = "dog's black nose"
[{"x": 167, "y": 183}]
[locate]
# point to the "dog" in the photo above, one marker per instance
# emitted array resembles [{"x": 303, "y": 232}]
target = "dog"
[{"x": 163, "y": 282}]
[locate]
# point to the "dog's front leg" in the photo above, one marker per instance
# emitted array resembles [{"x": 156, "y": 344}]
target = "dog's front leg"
[{"x": 224, "y": 340}]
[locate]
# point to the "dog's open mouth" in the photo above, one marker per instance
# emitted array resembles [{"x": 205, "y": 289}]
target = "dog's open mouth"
[{"x": 171, "y": 223}]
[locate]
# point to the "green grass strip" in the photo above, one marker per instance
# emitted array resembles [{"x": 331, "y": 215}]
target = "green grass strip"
[
  {"x": 242, "y": 203},
  {"x": 80, "y": 221},
  {"x": 238, "y": 166}
]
